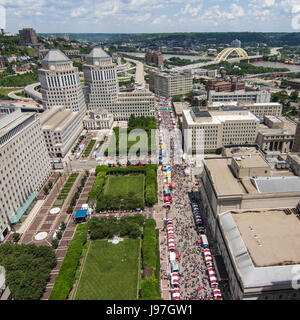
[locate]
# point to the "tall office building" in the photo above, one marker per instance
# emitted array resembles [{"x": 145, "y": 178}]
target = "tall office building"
[
  {"x": 24, "y": 166},
  {"x": 102, "y": 85},
  {"x": 60, "y": 83},
  {"x": 100, "y": 76},
  {"x": 28, "y": 36}
]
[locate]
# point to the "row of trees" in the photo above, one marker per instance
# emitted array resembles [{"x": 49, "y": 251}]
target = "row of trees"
[
  {"x": 107, "y": 228},
  {"x": 150, "y": 289},
  {"x": 27, "y": 269},
  {"x": 66, "y": 276}
]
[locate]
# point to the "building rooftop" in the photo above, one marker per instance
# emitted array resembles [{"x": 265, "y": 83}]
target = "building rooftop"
[
  {"x": 251, "y": 161},
  {"x": 57, "y": 118},
  {"x": 97, "y": 53},
  {"x": 263, "y": 246},
  {"x": 55, "y": 55},
  {"x": 12, "y": 120},
  {"x": 239, "y": 151},
  {"x": 217, "y": 117},
  {"x": 263, "y": 233},
  {"x": 277, "y": 184},
  {"x": 224, "y": 181},
  {"x": 180, "y": 106}
]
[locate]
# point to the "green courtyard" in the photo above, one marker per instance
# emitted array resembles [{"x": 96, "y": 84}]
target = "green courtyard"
[{"x": 110, "y": 272}]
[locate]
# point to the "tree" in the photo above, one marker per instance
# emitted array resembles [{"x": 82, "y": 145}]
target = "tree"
[
  {"x": 16, "y": 237},
  {"x": 294, "y": 95},
  {"x": 46, "y": 190}
]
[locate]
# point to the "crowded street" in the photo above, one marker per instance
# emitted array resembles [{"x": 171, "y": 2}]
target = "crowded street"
[{"x": 190, "y": 269}]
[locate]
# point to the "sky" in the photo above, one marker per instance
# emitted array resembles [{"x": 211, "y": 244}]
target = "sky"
[{"x": 147, "y": 16}]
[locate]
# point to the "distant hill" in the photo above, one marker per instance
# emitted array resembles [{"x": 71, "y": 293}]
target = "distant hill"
[{"x": 271, "y": 39}]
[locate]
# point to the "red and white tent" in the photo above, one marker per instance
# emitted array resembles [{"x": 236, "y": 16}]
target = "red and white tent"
[
  {"x": 175, "y": 294},
  {"x": 211, "y": 272},
  {"x": 217, "y": 294},
  {"x": 174, "y": 279},
  {"x": 213, "y": 281}
]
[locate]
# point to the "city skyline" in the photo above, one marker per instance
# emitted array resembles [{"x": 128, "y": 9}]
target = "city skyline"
[{"x": 128, "y": 16}]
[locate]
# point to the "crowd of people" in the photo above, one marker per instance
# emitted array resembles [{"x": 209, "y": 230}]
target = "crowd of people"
[{"x": 193, "y": 278}]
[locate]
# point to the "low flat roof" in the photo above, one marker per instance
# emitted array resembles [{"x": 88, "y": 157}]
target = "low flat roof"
[
  {"x": 275, "y": 248},
  {"x": 239, "y": 151},
  {"x": 271, "y": 236},
  {"x": 251, "y": 161},
  {"x": 223, "y": 179},
  {"x": 278, "y": 184}
]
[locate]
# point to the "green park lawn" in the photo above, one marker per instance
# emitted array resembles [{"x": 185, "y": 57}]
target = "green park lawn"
[
  {"x": 110, "y": 272},
  {"x": 122, "y": 185}
]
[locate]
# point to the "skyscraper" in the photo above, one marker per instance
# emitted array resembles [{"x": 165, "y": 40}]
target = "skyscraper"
[
  {"x": 60, "y": 83},
  {"x": 28, "y": 37},
  {"x": 100, "y": 75},
  {"x": 101, "y": 80}
]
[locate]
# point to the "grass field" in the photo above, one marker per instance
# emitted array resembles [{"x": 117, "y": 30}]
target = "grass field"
[
  {"x": 123, "y": 185},
  {"x": 110, "y": 272}
]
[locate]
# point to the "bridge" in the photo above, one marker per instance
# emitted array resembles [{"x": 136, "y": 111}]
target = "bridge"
[
  {"x": 31, "y": 91},
  {"x": 242, "y": 55}
]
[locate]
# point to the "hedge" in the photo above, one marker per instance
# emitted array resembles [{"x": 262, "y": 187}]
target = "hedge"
[
  {"x": 150, "y": 286},
  {"x": 149, "y": 244},
  {"x": 97, "y": 186},
  {"x": 150, "y": 289},
  {"x": 66, "y": 276},
  {"x": 150, "y": 171}
]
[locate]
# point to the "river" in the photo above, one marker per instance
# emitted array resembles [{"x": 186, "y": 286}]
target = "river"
[
  {"x": 168, "y": 56},
  {"x": 291, "y": 67}
]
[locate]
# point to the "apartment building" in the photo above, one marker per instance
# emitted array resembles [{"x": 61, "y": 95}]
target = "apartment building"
[
  {"x": 209, "y": 131},
  {"x": 28, "y": 37},
  {"x": 61, "y": 127},
  {"x": 155, "y": 57},
  {"x": 168, "y": 84},
  {"x": 24, "y": 167},
  {"x": 60, "y": 83},
  {"x": 261, "y": 96}
]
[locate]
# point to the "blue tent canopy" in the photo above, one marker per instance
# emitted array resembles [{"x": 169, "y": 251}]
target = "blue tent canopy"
[{"x": 80, "y": 213}]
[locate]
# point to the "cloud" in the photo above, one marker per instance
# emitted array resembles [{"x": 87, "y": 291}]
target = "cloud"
[{"x": 193, "y": 11}]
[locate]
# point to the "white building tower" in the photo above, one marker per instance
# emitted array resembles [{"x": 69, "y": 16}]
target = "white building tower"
[
  {"x": 100, "y": 75},
  {"x": 60, "y": 83}
]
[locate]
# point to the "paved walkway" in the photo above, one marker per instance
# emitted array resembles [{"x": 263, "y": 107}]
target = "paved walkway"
[{"x": 68, "y": 233}]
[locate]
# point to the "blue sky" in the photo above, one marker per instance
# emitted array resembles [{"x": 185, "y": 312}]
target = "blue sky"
[{"x": 123, "y": 16}]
